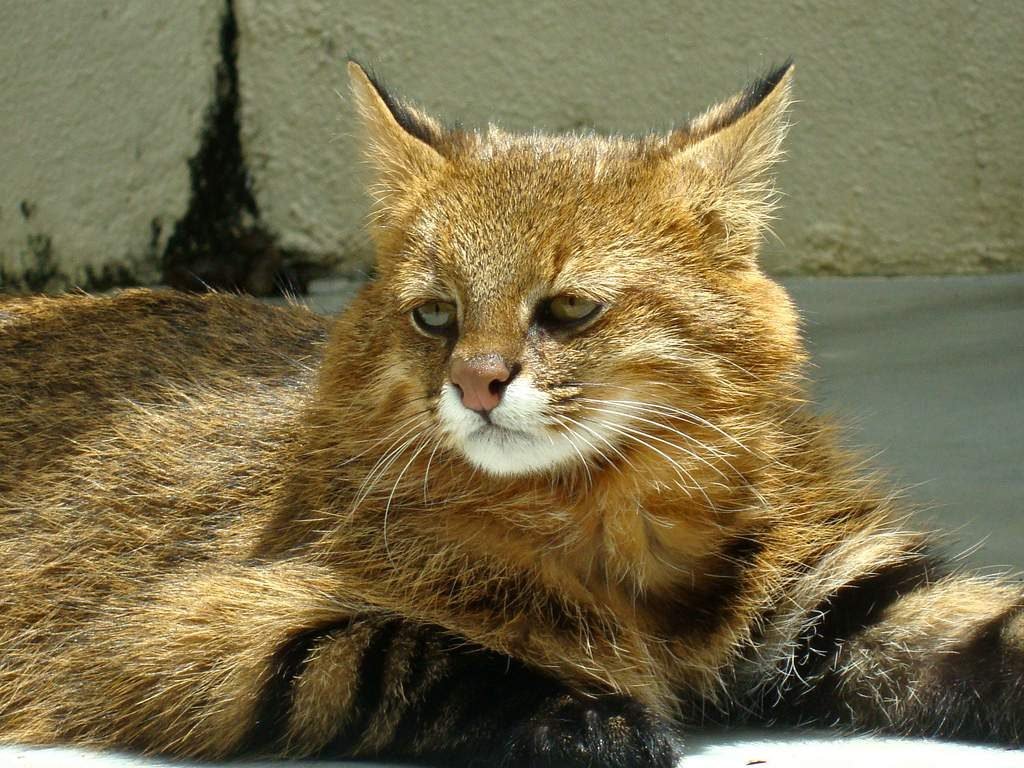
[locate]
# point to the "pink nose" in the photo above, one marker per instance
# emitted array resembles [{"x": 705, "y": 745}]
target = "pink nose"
[{"x": 481, "y": 380}]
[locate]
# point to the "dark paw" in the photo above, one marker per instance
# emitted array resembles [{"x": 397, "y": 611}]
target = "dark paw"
[{"x": 606, "y": 732}]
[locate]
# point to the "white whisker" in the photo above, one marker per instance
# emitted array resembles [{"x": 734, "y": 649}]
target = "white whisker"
[
  {"x": 430, "y": 459},
  {"x": 383, "y": 464},
  {"x": 687, "y": 451},
  {"x": 603, "y": 439},
  {"x": 637, "y": 436},
  {"x": 583, "y": 459},
  {"x": 394, "y": 488},
  {"x": 672, "y": 412}
]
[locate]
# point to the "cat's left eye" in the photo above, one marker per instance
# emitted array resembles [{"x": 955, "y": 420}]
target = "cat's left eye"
[{"x": 568, "y": 311}]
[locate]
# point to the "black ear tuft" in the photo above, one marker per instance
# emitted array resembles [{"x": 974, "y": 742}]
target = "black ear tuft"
[
  {"x": 759, "y": 89},
  {"x": 403, "y": 115},
  {"x": 751, "y": 96}
]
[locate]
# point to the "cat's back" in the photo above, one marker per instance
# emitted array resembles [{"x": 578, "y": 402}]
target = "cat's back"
[
  {"x": 70, "y": 364},
  {"x": 141, "y": 439}
]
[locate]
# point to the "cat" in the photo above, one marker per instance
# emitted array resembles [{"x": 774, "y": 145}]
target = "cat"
[{"x": 547, "y": 490}]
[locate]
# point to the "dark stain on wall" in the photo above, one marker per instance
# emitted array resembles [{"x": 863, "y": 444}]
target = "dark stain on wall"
[
  {"x": 42, "y": 275},
  {"x": 220, "y": 242}
]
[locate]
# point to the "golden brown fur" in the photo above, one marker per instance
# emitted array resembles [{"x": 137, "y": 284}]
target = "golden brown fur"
[{"x": 223, "y": 524}]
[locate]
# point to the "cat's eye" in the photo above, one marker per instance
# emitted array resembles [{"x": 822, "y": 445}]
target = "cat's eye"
[
  {"x": 567, "y": 311},
  {"x": 437, "y": 317}
]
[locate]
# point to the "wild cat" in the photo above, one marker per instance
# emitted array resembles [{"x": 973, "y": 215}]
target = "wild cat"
[{"x": 545, "y": 493}]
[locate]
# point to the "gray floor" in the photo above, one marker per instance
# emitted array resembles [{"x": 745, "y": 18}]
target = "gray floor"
[{"x": 930, "y": 371}]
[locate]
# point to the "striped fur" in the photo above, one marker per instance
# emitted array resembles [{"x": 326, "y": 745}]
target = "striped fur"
[{"x": 227, "y": 528}]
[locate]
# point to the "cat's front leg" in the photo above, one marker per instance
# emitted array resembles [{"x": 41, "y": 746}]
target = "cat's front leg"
[
  {"x": 388, "y": 688},
  {"x": 906, "y": 651}
]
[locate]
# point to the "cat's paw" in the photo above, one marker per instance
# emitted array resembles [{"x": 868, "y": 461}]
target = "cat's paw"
[{"x": 605, "y": 732}]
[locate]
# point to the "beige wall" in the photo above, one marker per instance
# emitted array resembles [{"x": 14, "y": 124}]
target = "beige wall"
[
  {"x": 905, "y": 156},
  {"x": 103, "y": 102}
]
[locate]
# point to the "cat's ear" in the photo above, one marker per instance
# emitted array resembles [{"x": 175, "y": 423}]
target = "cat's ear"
[
  {"x": 401, "y": 141},
  {"x": 730, "y": 150}
]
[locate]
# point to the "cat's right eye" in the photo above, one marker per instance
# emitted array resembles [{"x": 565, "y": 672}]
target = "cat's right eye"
[{"x": 435, "y": 317}]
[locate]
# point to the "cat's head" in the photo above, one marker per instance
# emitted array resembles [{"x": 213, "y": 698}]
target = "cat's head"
[{"x": 561, "y": 301}]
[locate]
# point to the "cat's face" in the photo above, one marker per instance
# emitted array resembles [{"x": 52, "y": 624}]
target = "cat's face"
[{"x": 563, "y": 303}]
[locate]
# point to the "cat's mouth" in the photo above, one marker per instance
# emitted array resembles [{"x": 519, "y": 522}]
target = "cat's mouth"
[
  {"x": 508, "y": 451},
  {"x": 490, "y": 430},
  {"x": 501, "y": 437}
]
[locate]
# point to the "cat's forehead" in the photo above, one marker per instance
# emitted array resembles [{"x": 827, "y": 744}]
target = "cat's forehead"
[{"x": 528, "y": 214}]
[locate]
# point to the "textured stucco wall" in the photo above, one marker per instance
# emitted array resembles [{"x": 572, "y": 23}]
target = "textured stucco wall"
[
  {"x": 103, "y": 106},
  {"x": 905, "y": 154},
  {"x": 904, "y": 157}
]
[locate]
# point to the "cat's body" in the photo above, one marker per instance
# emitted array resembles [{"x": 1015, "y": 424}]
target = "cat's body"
[{"x": 227, "y": 527}]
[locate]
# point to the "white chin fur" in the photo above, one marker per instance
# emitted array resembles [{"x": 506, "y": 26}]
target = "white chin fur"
[{"x": 517, "y": 441}]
